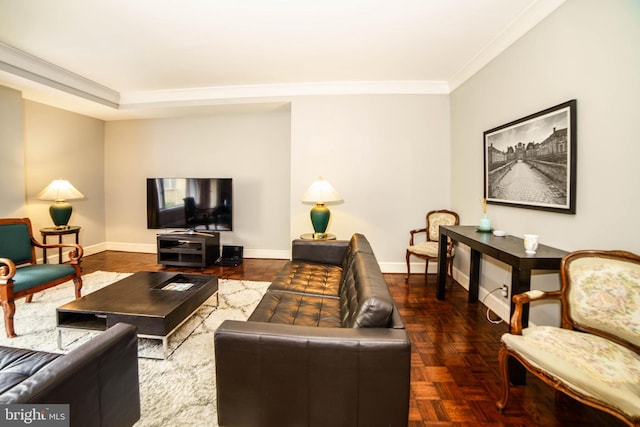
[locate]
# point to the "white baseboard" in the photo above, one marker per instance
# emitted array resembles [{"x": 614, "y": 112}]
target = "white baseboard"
[
  {"x": 495, "y": 302},
  {"x": 401, "y": 267},
  {"x": 498, "y": 304},
  {"x": 152, "y": 249},
  {"x": 267, "y": 253},
  {"x": 52, "y": 254},
  {"x": 145, "y": 248}
]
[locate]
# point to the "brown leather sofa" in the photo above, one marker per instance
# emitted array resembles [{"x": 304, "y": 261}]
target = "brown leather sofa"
[
  {"x": 98, "y": 380},
  {"x": 325, "y": 346}
]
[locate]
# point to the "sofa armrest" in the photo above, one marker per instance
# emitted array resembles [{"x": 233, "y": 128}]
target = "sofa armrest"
[
  {"x": 274, "y": 374},
  {"x": 99, "y": 380},
  {"x": 319, "y": 251}
]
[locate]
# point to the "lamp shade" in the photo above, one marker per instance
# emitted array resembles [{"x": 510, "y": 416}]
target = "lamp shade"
[
  {"x": 60, "y": 189},
  {"x": 321, "y": 191}
]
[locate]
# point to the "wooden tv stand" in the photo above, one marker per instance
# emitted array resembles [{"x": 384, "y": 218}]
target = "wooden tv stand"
[{"x": 189, "y": 249}]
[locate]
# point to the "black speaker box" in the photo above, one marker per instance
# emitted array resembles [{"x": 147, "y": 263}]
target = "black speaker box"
[{"x": 231, "y": 256}]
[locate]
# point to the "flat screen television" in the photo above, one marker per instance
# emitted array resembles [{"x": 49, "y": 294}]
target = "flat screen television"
[{"x": 190, "y": 203}]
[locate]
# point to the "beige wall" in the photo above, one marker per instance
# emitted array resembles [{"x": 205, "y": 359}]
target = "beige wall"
[
  {"x": 12, "y": 173},
  {"x": 388, "y": 157},
  {"x": 60, "y": 144},
  {"x": 252, "y": 148},
  {"x": 378, "y": 151},
  {"x": 584, "y": 50}
]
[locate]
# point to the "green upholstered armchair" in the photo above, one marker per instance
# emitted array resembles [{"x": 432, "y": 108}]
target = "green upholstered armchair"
[
  {"x": 594, "y": 356},
  {"x": 21, "y": 276}
]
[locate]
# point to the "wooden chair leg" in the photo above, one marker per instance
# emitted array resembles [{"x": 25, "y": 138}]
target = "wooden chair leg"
[
  {"x": 9, "y": 308},
  {"x": 78, "y": 285},
  {"x": 406, "y": 279},
  {"x": 28, "y": 298},
  {"x": 503, "y": 360},
  {"x": 426, "y": 270}
]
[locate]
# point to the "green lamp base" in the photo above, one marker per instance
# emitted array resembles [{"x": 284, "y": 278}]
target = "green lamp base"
[
  {"x": 320, "y": 218},
  {"x": 60, "y": 213}
]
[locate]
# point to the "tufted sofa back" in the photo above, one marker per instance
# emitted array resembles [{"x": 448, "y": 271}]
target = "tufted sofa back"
[
  {"x": 365, "y": 301},
  {"x": 357, "y": 244}
]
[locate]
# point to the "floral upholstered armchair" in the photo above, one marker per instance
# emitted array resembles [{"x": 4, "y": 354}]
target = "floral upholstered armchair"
[
  {"x": 594, "y": 355},
  {"x": 21, "y": 276},
  {"x": 428, "y": 249}
]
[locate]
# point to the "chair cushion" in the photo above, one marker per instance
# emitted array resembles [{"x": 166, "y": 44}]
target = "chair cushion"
[
  {"x": 289, "y": 308},
  {"x": 33, "y": 275},
  {"x": 429, "y": 249},
  {"x": 584, "y": 362}
]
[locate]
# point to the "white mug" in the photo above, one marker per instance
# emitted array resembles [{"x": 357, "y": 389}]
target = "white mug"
[{"x": 530, "y": 243}]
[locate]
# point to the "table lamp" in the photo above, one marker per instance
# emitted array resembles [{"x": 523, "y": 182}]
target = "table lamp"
[
  {"x": 320, "y": 192},
  {"x": 60, "y": 190}
]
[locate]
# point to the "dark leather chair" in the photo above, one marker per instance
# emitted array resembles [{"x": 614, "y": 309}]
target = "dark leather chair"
[
  {"x": 98, "y": 380},
  {"x": 21, "y": 276}
]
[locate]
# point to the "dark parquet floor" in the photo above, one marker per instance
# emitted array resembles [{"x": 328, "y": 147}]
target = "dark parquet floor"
[{"x": 454, "y": 369}]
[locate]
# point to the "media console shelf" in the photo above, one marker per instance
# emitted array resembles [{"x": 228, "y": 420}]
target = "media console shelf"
[{"x": 189, "y": 249}]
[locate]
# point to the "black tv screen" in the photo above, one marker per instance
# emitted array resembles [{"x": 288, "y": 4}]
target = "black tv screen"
[{"x": 191, "y": 203}]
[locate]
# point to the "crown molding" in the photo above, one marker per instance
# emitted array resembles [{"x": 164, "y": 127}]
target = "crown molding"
[
  {"x": 183, "y": 97},
  {"x": 521, "y": 25},
  {"x": 25, "y": 65}
]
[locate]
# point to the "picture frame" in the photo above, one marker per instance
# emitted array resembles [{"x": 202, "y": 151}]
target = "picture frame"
[{"x": 531, "y": 162}]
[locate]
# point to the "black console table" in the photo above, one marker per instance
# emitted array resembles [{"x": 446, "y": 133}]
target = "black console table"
[
  {"x": 189, "y": 249},
  {"x": 508, "y": 249}
]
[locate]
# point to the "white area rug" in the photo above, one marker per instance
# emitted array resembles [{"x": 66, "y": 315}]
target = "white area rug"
[{"x": 179, "y": 391}]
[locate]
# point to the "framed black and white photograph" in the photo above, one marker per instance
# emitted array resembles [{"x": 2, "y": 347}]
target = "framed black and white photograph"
[{"x": 531, "y": 162}]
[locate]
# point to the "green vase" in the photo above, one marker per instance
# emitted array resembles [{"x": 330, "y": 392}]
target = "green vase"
[{"x": 320, "y": 218}]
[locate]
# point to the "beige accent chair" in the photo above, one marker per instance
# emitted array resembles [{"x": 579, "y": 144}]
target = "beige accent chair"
[
  {"x": 428, "y": 249},
  {"x": 594, "y": 356}
]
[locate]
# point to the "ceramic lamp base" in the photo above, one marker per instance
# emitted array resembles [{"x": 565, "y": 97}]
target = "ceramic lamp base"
[
  {"x": 320, "y": 218},
  {"x": 60, "y": 213}
]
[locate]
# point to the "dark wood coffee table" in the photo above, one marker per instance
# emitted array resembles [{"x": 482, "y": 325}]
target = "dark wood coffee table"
[{"x": 157, "y": 303}]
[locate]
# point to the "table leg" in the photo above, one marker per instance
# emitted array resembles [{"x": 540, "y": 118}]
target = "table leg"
[
  {"x": 165, "y": 346},
  {"x": 442, "y": 267},
  {"x": 474, "y": 275},
  {"x": 60, "y": 250},
  {"x": 44, "y": 250}
]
